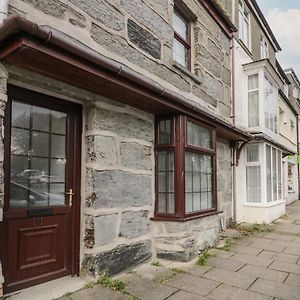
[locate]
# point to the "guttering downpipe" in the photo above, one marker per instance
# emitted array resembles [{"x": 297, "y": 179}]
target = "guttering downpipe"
[
  {"x": 3, "y": 10},
  {"x": 232, "y": 49}
]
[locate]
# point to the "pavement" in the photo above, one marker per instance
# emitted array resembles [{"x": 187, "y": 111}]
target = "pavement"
[{"x": 263, "y": 266}]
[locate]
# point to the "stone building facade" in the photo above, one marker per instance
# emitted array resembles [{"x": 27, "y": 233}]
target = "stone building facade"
[{"x": 116, "y": 206}]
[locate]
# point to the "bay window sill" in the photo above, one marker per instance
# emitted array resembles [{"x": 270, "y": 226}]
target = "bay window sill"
[
  {"x": 186, "y": 218},
  {"x": 264, "y": 205}
]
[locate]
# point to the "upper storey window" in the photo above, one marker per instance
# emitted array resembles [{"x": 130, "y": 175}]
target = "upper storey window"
[
  {"x": 182, "y": 44},
  {"x": 244, "y": 23},
  {"x": 264, "y": 51}
]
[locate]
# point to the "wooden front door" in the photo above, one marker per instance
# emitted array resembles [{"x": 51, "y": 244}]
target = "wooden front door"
[{"x": 40, "y": 232}]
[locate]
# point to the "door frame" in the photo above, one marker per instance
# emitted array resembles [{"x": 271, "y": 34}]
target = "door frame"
[{"x": 75, "y": 114}]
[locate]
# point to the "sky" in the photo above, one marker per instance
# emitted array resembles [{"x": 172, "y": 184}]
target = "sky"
[{"x": 283, "y": 17}]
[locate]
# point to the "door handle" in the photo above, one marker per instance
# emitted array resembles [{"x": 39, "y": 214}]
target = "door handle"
[{"x": 70, "y": 194}]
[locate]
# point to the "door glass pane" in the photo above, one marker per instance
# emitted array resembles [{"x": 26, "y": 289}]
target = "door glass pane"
[
  {"x": 164, "y": 131},
  {"x": 274, "y": 172},
  {"x": 37, "y": 169},
  {"x": 58, "y": 146}
]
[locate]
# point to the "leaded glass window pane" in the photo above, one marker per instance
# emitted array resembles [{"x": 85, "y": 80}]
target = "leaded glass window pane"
[{"x": 199, "y": 136}]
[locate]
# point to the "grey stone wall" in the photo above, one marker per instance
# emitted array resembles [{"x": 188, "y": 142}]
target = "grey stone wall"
[
  {"x": 183, "y": 241},
  {"x": 140, "y": 34},
  {"x": 119, "y": 187}
]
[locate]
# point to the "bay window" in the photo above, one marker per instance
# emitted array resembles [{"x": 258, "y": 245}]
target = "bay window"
[
  {"x": 263, "y": 173},
  {"x": 270, "y": 105},
  {"x": 253, "y": 101},
  {"x": 185, "y": 168}
]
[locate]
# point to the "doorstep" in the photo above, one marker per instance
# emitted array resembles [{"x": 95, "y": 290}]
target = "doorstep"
[{"x": 52, "y": 289}]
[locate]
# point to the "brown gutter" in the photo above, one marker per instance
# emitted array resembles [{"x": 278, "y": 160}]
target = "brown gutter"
[{"x": 16, "y": 24}]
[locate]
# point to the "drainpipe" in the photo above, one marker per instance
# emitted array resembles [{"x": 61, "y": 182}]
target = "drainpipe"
[
  {"x": 3, "y": 9},
  {"x": 233, "y": 164}
]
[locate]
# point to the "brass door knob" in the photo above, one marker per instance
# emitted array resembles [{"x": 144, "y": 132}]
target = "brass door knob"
[{"x": 70, "y": 194}]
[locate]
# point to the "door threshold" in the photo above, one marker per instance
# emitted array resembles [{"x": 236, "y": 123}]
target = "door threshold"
[{"x": 52, "y": 289}]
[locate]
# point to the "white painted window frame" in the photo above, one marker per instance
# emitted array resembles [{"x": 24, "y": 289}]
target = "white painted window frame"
[{"x": 246, "y": 22}]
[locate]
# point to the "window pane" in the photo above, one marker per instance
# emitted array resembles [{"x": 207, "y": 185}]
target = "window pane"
[
  {"x": 40, "y": 144},
  {"x": 19, "y": 168},
  {"x": 253, "y": 153},
  {"x": 253, "y": 184},
  {"x": 199, "y": 136},
  {"x": 180, "y": 25},
  {"x": 279, "y": 177},
  {"x": 274, "y": 171},
  {"x": 58, "y": 122},
  {"x": 253, "y": 109},
  {"x": 21, "y": 115},
  {"x": 270, "y": 105},
  {"x": 269, "y": 173},
  {"x": 58, "y": 146},
  {"x": 19, "y": 141},
  {"x": 253, "y": 82},
  {"x": 164, "y": 131},
  {"x": 180, "y": 53},
  {"x": 198, "y": 182},
  {"x": 40, "y": 118},
  {"x": 165, "y": 182}
]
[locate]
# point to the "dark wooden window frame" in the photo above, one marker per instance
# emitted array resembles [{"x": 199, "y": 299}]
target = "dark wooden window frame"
[
  {"x": 180, "y": 146},
  {"x": 185, "y": 42}
]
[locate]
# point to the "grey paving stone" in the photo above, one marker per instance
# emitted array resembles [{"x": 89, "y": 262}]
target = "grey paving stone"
[
  {"x": 253, "y": 260},
  {"x": 198, "y": 270},
  {"x": 243, "y": 242},
  {"x": 147, "y": 289},
  {"x": 292, "y": 250},
  {"x": 267, "y": 254},
  {"x": 267, "y": 245},
  {"x": 293, "y": 279},
  {"x": 276, "y": 289},
  {"x": 289, "y": 258},
  {"x": 296, "y": 240},
  {"x": 221, "y": 253},
  {"x": 246, "y": 249},
  {"x": 285, "y": 267},
  {"x": 232, "y": 278},
  {"x": 193, "y": 284},
  {"x": 180, "y": 295},
  {"x": 100, "y": 293},
  {"x": 264, "y": 273},
  {"x": 227, "y": 292},
  {"x": 278, "y": 237},
  {"x": 225, "y": 263}
]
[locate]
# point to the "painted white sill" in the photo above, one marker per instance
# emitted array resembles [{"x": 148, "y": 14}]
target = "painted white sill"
[{"x": 263, "y": 205}]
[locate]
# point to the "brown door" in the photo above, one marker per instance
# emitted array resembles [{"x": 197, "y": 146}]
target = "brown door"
[{"x": 40, "y": 232}]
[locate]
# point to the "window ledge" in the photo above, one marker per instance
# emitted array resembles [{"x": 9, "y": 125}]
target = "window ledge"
[
  {"x": 264, "y": 205},
  {"x": 196, "y": 78},
  {"x": 187, "y": 218}
]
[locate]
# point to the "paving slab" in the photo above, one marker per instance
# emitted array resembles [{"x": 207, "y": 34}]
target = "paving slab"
[
  {"x": 289, "y": 258},
  {"x": 198, "y": 270},
  {"x": 278, "y": 237},
  {"x": 252, "y": 260},
  {"x": 100, "y": 293},
  {"x": 292, "y": 250},
  {"x": 285, "y": 267},
  {"x": 180, "y": 295},
  {"x": 293, "y": 279},
  {"x": 276, "y": 289},
  {"x": 193, "y": 284},
  {"x": 264, "y": 273},
  {"x": 232, "y": 278},
  {"x": 227, "y": 292},
  {"x": 262, "y": 245},
  {"x": 247, "y": 249},
  {"x": 222, "y": 253},
  {"x": 147, "y": 289},
  {"x": 267, "y": 254},
  {"x": 225, "y": 263}
]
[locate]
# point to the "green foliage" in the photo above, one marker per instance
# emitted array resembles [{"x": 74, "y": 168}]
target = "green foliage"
[
  {"x": 156, "y": 263},
  {"x": 202, "y": 259},
  {"x": 113, "y": 284},
  {"x": 178, "y": 270},
  {"x": 227, "y": 245}
]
